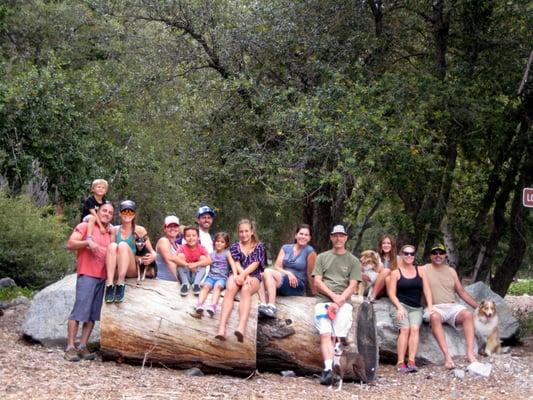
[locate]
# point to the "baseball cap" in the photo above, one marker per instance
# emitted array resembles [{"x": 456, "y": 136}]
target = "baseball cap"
[
  {"x": 205, "y": 210},
  {"x": 438, "y": 246},
  {"x": 338, "y": 229},
  {"x": 171, "y": 219},
  {"x": 128, "y": 205}
]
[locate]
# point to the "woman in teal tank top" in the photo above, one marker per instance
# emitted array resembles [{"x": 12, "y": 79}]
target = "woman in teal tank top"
[{"x": 121, "y": 262}]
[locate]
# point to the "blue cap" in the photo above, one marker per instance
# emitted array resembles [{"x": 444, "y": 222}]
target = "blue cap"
[
  {"x": 128, "y": 205},
  {"x": 205, "y": 210}
]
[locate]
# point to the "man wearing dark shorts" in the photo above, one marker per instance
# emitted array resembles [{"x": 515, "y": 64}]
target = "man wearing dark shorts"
[{"x": 90, "y": 267}]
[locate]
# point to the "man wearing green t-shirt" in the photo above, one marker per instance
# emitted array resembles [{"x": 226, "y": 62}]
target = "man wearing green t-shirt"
[{"x": 336, "y": 274}]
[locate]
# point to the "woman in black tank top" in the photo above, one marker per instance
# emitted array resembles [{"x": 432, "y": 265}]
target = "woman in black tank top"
[{"x": 407, "y": 283}]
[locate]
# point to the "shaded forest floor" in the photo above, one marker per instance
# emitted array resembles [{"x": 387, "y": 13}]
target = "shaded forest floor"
[{"x": 35, "y": 372}]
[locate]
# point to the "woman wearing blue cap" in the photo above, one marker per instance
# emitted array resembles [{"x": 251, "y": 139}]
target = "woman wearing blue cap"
[{"x": 120, "y": 257}]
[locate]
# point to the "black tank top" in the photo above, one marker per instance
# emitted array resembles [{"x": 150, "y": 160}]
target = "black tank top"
[{"x": 409, "y": 291}]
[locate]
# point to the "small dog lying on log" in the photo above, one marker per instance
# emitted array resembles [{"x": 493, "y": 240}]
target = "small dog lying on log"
[
  {"x": 143, "y": 270},
  {"x": 345, "y": 363}
]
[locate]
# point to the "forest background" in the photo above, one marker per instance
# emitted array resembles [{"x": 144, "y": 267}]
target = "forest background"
[{"x": 406, "y": 117}]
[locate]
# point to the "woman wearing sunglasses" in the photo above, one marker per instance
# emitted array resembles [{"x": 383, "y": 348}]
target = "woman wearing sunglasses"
[
  {"x": 120, "y": 257},
  {"x": 407, "y": 283}
]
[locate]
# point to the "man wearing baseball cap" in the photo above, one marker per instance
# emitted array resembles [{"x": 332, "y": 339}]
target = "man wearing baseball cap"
[
  {"x": 204, "y": 217},
  {"x": 444, "y": 284},
  {"x": 336, "y": 274}
]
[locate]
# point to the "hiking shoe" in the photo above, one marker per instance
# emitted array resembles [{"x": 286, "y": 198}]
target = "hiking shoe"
[
  {"x": 261, "y": 308},
  {"x": 402, "y": 368},
  {"x": 211, "y": 310},
  {"x": 71, "y": 355},
  {"x": 199, "y": 308},
  {"x": 85, "y": 354},
  {"x": 184, "y": 289},
  {"x": 411, "y": 367},
  {"x": 196, "y": 289},
  {"x": 120, "y": 292},
  {"x": 110, "y": 293},
  {"x": 326, "y": 378}
]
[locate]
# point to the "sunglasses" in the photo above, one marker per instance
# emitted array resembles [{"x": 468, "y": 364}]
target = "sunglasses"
[
  {"x": 409, "y": 253},
  {"x": 438, "y": 253},
  {"x": 172, "y": 226},
  {"x": 127, "y": 213}
]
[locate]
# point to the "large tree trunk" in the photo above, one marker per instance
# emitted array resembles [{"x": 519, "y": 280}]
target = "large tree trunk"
[{"x": 155, "y": 325}]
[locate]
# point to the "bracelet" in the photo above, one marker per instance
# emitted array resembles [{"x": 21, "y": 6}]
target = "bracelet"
[{"x": 89, "y": 238}]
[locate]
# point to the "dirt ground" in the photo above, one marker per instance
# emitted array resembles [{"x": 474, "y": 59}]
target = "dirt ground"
[{"x": 34, "y": 372}]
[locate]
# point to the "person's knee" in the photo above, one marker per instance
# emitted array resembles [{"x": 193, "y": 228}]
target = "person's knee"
[
  {"x": 435, "y": 319},
  {"x": 404, "y": 331},
  {"x": 112, "y": 247},
  {"x": 413, "y": 330}
]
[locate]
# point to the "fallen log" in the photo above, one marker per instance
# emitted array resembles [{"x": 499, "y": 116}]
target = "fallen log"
[{"x": 155, "y": 325}]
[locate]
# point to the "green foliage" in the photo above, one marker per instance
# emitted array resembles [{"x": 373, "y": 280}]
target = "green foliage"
[
  {"x": 521, "y": 287},
  {"x": 32, "y": 243},
  {"x": 9, "y": 293}
]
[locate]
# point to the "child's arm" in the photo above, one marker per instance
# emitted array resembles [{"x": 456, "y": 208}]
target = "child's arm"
[
  {"x": 204, "y": 261},
  {"x": 97, "y": 220}
]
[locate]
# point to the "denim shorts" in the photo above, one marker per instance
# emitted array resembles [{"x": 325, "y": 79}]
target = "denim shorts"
[
  {"x": 212, "y": 282},
  {"x": 89, "y": 296},
  {"x": 287, "y": 290}
]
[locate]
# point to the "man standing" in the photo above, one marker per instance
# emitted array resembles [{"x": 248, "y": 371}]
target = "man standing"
[
  {"x": 444, "y": 283},
  {"x": 336, "y": 274},
  {"x": 90, "y": 268}
]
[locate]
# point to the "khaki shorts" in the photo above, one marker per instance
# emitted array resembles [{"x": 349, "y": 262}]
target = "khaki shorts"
[
  {"x": 448, "y": 313},
  {"x": 340, "y": 326},
  {"x": 412, "y": 318}
]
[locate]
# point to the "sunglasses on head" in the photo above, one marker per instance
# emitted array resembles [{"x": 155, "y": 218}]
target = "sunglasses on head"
[
  {"x": 409, "y": 253},
  {"x": 127, "y": 212},
  {"x": 438, "y": 253}
]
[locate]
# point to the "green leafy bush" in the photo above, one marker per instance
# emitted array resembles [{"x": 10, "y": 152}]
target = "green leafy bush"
[
  {"x": 32, "y": 243},
  {"x": 9, "y": 293},
  {"x": 520, "y": 287}
]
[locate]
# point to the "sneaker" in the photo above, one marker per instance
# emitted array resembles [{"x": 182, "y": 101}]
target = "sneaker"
[
  {"x": 71, "y": 355},
  {"x": 411, "y": 367},
  {"x": 199, "y": 308},
  {"x": 402, "y": 368},
  {"x": 326, "y": 378},
  {"x": 261, "y": 308},
  {"x": 196, "y": 289},
  {"x": 184, "y": 289},
  {"x": 270, "y": 311},
  {"x": 211, "y": 310},
  {"x": 120, "y": 292},
  {"x": 110, "y": 293},
  {"x": 85, "y": 354}
]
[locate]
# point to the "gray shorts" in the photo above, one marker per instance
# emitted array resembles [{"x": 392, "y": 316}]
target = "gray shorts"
[
  {"x": 413, "y": 316},
  {"x": 89, "y": 296}
]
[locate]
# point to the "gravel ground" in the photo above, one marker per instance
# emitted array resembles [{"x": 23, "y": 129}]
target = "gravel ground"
[{"x": 34, "y": 372}]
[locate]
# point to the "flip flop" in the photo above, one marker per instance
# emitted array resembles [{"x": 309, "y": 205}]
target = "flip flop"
[
  {"x": 240, "y": 336},
  {"x": 220, "y": 337}
]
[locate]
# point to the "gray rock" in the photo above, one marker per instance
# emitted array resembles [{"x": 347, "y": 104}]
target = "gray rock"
[
  {"x": 17, "y": 301},
  {"x": 7, "y": 282},
  {"x": 3, "y": 305},
  {"x": 428, "y": 351},
  {"x": 506, "y": 322},
  {"x": 478, "y": 368},
  {"x": 459, "y": 373},
  {"x": 288, "y": 374},
  {"x": 194, "y": 372},
  {"x": 46, "y": 320}
]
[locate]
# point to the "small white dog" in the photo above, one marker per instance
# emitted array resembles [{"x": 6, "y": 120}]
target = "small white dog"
[{"x": 486, "y": 324}]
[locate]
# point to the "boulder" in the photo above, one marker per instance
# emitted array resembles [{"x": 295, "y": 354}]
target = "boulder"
[
  {"x": 7, "y": 282},
  {"x": 508, "y": 324},
  {"x": 428, "y": 351},
  {"x": 46, "y": 320}
]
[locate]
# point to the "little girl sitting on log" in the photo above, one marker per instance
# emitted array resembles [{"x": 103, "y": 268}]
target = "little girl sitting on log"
[{"x": 218, "y": 274}]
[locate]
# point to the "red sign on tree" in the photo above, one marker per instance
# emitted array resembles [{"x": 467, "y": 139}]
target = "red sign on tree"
[{"x": 528, "y": 197}]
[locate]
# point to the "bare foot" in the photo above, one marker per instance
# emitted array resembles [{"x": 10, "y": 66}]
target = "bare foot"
[
  {"x": 449, "y": 364},
  {"x": 240, "y": 336},
  {"x": 471, "y": 358}
]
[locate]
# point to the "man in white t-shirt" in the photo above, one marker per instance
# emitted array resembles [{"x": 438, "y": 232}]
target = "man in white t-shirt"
[{"x": 204, "y": 218}]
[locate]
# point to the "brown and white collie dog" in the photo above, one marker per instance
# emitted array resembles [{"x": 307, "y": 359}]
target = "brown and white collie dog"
[{"x": 486, "y": 324}]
